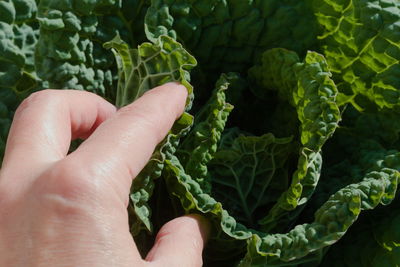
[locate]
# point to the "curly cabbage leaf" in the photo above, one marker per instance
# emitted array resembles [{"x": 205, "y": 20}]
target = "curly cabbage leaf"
[
  {"x": 227, "y": 239},
  {"x": 361, "y": 42},
  {"x": 149, "y": 66},
  {"x": 140, "y": 70},
  {"x": 309, "y": 88},
  {"x": 247, "y": 174},
  {"x": 374, "y": 239},
  {"x": 70, "y": 52},
  {"x": 229, "y": 35},
  {"x": 200, "y": 146},
  {"x": 253, "y": 169},
  {"x": 350, "y": 153},
  {"x": 18, "y": 37},
  {"x": 372, "y": 242},
  {"x": 331, "y": 222},
  {"x": 302, "y": 243}
]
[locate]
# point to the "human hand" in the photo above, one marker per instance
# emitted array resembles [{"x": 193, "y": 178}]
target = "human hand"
[{"x": 71, "y": 210}]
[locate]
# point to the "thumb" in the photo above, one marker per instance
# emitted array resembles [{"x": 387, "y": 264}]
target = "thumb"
[{"x": 180, "y": 242}]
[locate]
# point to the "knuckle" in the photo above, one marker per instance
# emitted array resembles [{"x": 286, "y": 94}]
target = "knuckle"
[
  {"x": 63, "y": 191},
  {"x": 71, "y": 186},
  {"x": 69, "y": 180}
]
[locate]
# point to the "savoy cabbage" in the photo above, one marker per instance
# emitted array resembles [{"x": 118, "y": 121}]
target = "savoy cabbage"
[{"x": 290, "y": 140}]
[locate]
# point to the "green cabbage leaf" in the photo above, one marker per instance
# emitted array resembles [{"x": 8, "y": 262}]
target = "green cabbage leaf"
[
  {"x": 361, "y": 42},
  {"x": 140, "y": 70},
  {"x": 289, "y": 143}
]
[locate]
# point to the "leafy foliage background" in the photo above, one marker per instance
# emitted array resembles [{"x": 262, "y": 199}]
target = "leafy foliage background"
[{"x": 289, "y": 144}]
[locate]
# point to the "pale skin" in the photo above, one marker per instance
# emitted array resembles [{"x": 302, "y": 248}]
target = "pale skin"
[{"x": 59, "y": 209}]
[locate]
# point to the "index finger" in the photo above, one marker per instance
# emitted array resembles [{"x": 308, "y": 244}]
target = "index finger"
[{"x": 121, "y": 146}]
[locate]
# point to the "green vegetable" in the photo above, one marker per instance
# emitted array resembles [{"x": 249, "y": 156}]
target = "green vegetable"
[
  {"x": 140, "y": 70},
  {"x": 290, "y": 140},
  {"x": 361, "y": 42}
]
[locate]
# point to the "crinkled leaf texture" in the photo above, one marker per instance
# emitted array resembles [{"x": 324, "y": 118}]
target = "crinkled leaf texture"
[
  {"x": 361, "y": 41},
  {"x": 373, "y": 239},
  {"x": 301, "y": 244},
  {"x": 199, "y": 147},
  {"x": 149, "y": 66},
  {"x": 331, "y": 222},
  {"x": 69, "y": 52},
  {"x": 229, "y": 35},
  {"x": 140, "y": 70},
  {"x": 372, "y": 242},
  {"x": 308, "y": 87},
  {"x": 247, "y": 174},
  {"x": 288, "y": 99},
  {"x": 18, "y": 37}
]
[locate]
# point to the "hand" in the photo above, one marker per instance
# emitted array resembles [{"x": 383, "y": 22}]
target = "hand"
[{"x": 71, "y": 210}]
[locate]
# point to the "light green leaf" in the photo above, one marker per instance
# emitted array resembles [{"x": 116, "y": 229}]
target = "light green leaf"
[
  {"x": 308, "y": 87},
  {"x": 200, "y": 145},
  {"x": 302, "y": 244},
  {"x": 140, "y": 70},
  {"x": 149, "y": 66},
  {"x": 250, "y": 175},
  {"x": 69, "y": 53},
  {"x": 227, "y": 241},
  {"x": 331, "y": 222},
  {"x": 361, "y": 42}
]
